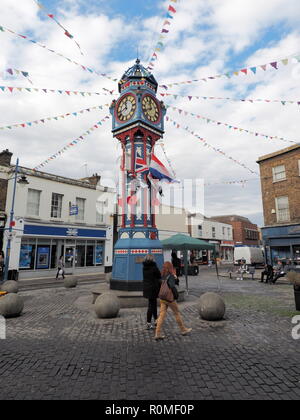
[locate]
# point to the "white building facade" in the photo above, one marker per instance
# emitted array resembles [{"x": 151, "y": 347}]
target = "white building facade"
[
  {"x": 219, "y": 234},
  {"x": 56, "y": 216}
]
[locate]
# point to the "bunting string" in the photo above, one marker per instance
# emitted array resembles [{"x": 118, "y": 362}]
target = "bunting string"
[
  {"x": 231, "y": 127},
  {"x": 14, "y": 72},
  {"x": 46, "y": 119},
  {"x": 85, "y": 68},
  {"x": 71, "y": 144},
  {"x": 12, "y": 89},
  {"x": 51, "y": 16},
  {"x": 245, "y": 71},
  {"x": 206, "y": 144},
  {"x": 168, "y": 160},
  {"x": 279, "y": 101},
  {"x": 163, "y": 34}
]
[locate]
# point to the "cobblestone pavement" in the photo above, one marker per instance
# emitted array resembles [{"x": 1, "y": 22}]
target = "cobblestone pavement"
[{"x": 58, "y": 350}]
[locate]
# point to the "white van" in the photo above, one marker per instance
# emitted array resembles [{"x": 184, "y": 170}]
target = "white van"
[{"x": 252, "y": 255}]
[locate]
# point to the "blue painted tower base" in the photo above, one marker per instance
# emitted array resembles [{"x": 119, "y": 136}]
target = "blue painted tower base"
[{"x": 129, "y": 253}]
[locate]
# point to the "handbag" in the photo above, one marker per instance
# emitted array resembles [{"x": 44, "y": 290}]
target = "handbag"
[
  {"x": 165, "y": 293},
  {"x": 61, "y": 272}
]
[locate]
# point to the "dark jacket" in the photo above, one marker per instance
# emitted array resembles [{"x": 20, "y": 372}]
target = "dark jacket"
[
  {"x": 172, "y": 282},
  {"x": 175, "y": 260},
  {"x": 151, "y": 282}
]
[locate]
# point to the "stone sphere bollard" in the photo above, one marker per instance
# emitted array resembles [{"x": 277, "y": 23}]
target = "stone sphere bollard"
[
  {"x": 11, "y": 305},
  {"x": 10, "y": 286},
  {"x": 107, "y": 305},
  {"x": 211, "y": 307},
  {"x": 70, "y": 283}
]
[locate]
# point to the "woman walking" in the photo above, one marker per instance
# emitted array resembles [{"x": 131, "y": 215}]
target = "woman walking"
[
  {"x": 151, "y": 286},
  {"x": 60, "y": 268},
  {"x": 168, "y": 295}
]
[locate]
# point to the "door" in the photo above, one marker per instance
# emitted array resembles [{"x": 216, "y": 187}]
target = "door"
[{"x": 69, "y": 259}]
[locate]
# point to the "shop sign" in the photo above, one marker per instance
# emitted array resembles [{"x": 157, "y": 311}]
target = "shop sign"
[
  {"x": 72, "y": 232},
  {"x": 294, "y": 230}
]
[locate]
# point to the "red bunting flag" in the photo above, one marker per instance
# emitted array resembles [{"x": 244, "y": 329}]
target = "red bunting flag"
[{"x": 171, "y": 9}]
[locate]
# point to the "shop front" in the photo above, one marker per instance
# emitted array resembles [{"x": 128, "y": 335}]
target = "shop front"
[
  {"x": 282, "y": 243},
  {"x": 227, "y": 251},
  {"x": 83, "y": 250}
]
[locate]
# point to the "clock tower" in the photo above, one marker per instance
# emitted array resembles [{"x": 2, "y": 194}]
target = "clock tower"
[{"x": 138, "y": 123}]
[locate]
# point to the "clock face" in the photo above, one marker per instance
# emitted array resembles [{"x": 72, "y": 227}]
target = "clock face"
[
  {"x": 150, "y": 108},
  {"x": 126, "y": 108}
]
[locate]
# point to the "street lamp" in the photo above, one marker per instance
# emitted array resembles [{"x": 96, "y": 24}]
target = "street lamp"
[{"x": 22, "y": 180}]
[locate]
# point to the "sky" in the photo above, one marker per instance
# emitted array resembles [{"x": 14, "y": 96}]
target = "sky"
[{"x": 206, "y": 38}]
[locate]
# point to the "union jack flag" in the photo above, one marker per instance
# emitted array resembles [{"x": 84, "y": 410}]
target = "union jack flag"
[{"x": 140, "y": 164}]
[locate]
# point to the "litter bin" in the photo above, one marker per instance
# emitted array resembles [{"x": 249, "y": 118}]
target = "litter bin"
[
  {"x": 297, "y": 297},
  {"x": 13, "y": 275}
]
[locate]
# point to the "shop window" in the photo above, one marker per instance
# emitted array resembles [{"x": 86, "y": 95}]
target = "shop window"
[
  {"x": 99, "y": 254},
  {"x": 27, "y": 256},
  {"x": 33, "y": 202},
  {"x": 56, "y": 205}
]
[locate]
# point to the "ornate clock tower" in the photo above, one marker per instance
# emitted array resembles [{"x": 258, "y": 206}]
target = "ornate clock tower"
[{"x": 137, "y": 122}]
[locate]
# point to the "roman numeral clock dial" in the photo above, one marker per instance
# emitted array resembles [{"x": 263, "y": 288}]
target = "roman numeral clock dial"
[
  {"x": 126, "y": 108},
  {"x": 150, "y": 109}
]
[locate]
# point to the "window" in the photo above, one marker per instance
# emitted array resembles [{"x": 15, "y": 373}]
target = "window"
[
  {"x": 200, "y": 230},
  {"x": 80, "y": 203},
  {"x": 279, "y": 173},
  {"x": 223, "y": 231},
  {"x": 213, "y": 232},
  {"x": 229, "y": 232},
  {"x": 282, "y": 209},
  {"x": 100, "y": 209},
  {"x": 56, "y": 205},
  {"x": 33, "y": 202},
  {"x": 251, "y": 234}
]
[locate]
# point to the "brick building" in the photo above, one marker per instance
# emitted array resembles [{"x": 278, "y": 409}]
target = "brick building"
[
  {"x": 244, "y": 232},
  {"x": 280, "y": 184}
]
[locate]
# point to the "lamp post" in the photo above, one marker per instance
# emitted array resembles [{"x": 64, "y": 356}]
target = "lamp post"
[{"x": 22, "y": 181}]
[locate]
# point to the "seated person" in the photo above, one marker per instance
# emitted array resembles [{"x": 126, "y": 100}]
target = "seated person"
[
  {"x": 281, "y": 270},
  {"x": 242, "y": 269},
  {"x": 269, "y": 272}
]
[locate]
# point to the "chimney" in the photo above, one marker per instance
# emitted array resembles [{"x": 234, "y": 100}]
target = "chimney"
[
  {"x": 93, "y": 180},
  {"x": 5, "y": 157}
]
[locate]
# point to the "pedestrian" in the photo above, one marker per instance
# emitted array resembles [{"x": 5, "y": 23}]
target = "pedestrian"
[
  {"x": 176, "y": 262},
  {"x": 168, "y": 295},
  {"x": 61, "y": 268},
  {"x": 268, "y": 272},
  {"x": 151, "y": 286},
  {"x": 2, "y": 262}
]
